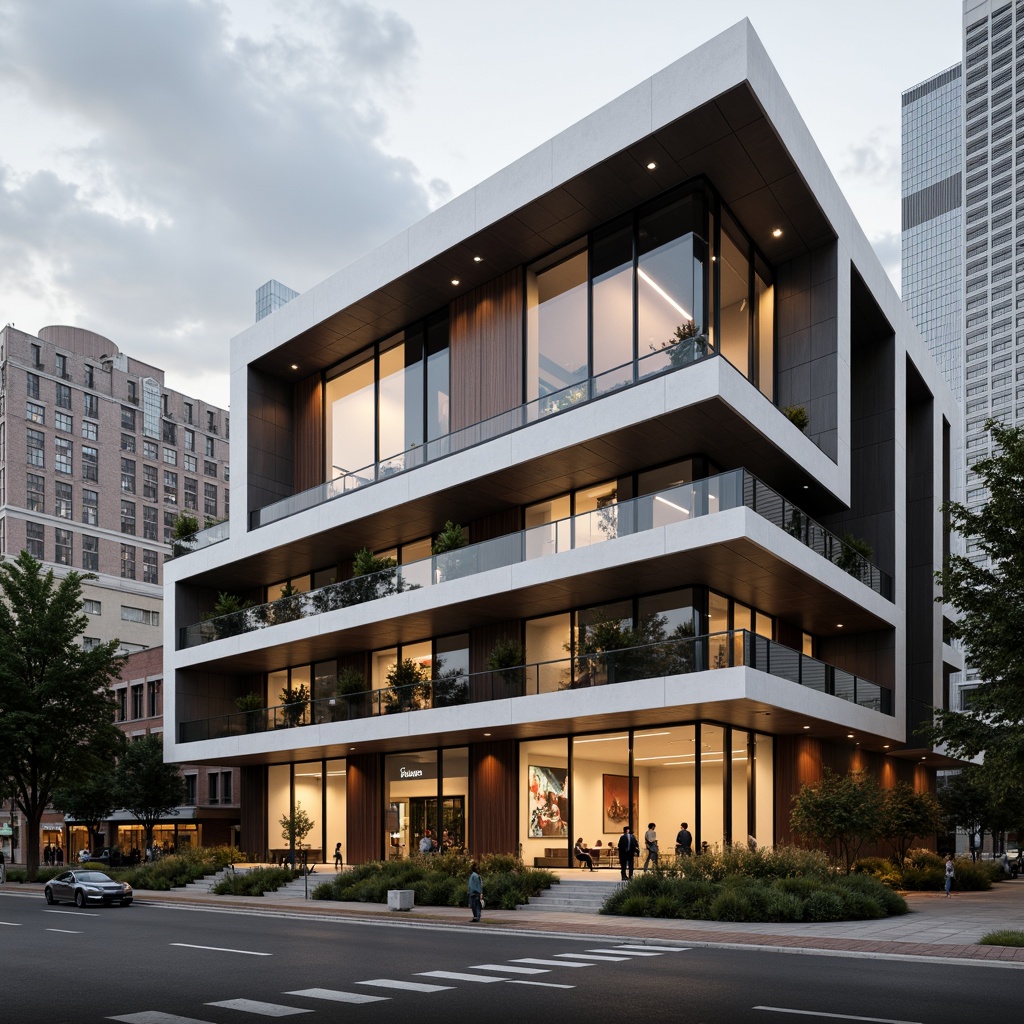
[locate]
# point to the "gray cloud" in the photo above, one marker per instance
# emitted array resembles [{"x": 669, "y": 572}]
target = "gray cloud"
[
  {"x": 874, "y": 160},
  {"x": 214, "y": 162},
  {"x": 888, "y": 249}
]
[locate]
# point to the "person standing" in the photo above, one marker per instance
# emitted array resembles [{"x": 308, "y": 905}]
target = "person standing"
[
  {"x": 950, "y": 874},
  {"x": 339, "y": 862},
  {"x": 476, "y": 892},
  {"x": 426, "y": 843},
  {"x": 629, "y": 849},
  {"x": 651, "y": 842},
  {"x": 684, "y": 841}
]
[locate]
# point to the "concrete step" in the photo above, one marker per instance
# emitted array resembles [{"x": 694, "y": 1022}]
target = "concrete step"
[{"x": 574, "y": 897}]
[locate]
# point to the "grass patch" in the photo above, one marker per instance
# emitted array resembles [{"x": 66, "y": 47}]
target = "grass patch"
[
  {"x": 438, "y": 881},
  {"x": 786, "y": 884},
  {"x": 1003, "y": 937}
]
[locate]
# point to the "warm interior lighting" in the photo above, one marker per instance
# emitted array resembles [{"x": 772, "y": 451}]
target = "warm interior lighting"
[
  {"x": 455, "y": 280},
  {"x": 602, "y": 739},
  {"x": 487, "y": 734},
  {"x": 295, "y": 366},
  {"x": 777, "y": 233},
  {"x": 849, "y": 735},
  {"x": 644, "y": 276},
  {"x": 678, "y": 508},
  {"x": 885, "y": 746},
  {"x": 478, "y": 259},
  {"x": 807, "y": 727},
  {"x": 651, "y": 166},
  {"x": 839, "y": 625}
]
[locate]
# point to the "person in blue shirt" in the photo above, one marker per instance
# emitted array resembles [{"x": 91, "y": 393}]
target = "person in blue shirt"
[{"x": 476, "y": 892}]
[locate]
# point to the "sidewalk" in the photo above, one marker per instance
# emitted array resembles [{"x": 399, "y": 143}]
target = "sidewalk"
[{"x": 935, "y": 926}]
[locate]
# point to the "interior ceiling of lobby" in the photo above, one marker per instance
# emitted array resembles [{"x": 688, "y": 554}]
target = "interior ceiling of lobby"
[{"x": 729, "y": 140}]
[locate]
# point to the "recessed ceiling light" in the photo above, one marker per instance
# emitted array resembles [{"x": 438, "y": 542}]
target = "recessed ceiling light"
[
  {"x": 295, "y": 366},
  {"x": 651, "y": 166},
  {"x": 478, "y": 259},
  {"x": 487, "y": 734},
  {"x": 455, "y": 280},
  {"x": 807, "y": 487},
  {"x": 807, "y": 727},
  {"x": 777, "y": 233},
  {"x": 885, "y": 746},
  {"x": 839, "y": 625},
  {"x": 849, "y": 735}
]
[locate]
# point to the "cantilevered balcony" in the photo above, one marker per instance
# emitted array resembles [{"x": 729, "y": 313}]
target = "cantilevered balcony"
[{"x": 682, "y": 656}]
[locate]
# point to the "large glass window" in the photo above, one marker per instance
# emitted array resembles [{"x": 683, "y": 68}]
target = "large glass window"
[
  {"x": 556, "y": 326},
  {"x": 665, "y": 763},
  {"x": 545, "y": 813},
  {"x": 410, "y": 800},
  {"x": 603, "y": 798},
  {"x": 712, "y": 786},
  {"x": 351, "y": 415},
  {"x": 611, "y": 258},
  {"x": 400, "y": 396},
  {"x": 547, "y": 647}
]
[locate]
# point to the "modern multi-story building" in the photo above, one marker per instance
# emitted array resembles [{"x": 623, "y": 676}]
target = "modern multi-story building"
[
  {"x": 272, "y": 295},
  {"x": 97, "y": 458},
  {"x": 696, "y": 448}
]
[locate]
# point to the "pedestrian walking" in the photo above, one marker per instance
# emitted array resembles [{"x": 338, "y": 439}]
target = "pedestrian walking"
[
  {"x": 476, "y": 892},
  {"x": 629, "y": 850},
  {"x": 950, "y": 874},
  {"x": 651, "y": 842},
  {"x": 339, "y": 862}
]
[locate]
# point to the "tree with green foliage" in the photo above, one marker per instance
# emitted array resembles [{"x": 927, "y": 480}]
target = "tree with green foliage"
[
  {"x": 56, "y": 706},
  {"x": 982, "y": 798},
  {"x": 907, "y": 815},
  {"x": 295, "y": 827},
  {"x": 90, "y": 796},
  {"x": 842, "y": 812},
  {"x": 147, "y": 786},
  {"x": 183, "y": 532},
  {"x": 990, "y": 600}
]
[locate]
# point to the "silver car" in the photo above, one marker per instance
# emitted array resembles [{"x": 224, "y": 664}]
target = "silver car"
[{"x": 87, "y": 887}]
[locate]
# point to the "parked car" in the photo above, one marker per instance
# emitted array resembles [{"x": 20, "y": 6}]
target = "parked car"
[{"x": 87, "y": 887}]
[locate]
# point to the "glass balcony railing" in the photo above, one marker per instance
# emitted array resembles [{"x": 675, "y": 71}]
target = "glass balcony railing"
[
  {"x": 674, "y": 505},
  {"x": 670, "y": 658},
  {"x": 197, "y": 541},
  {"x": 588, "y": 389}
]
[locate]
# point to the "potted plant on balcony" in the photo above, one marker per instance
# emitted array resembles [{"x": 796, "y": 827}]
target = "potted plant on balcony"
[
  {"x": 352, "y": 696},
  {"x": 449, "y": 687},
  {"x": 451, "y": 538},
  {"x": 853, "y": 555},
  {"x": 372, "y": 576},
  {"x": 287, "y": 607},
  {"x": 183, "y": 532},
  {"x": 797, "y": 415},
  {"x": 294, "y": 702},
  {"x": 255, "y": 715},
  {"x": 507, "y": 661},
  {"x": 229, "y": 616},
  {"x": 608, "y": 651},
  {"x": 407, "y": 689}
]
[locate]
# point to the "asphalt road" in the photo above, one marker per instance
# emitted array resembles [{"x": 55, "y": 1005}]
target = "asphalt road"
[{"x": 165, "y": 965}]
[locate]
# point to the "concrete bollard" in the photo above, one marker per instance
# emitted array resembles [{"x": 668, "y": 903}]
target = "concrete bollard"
[{"x": 401, "y": 899}]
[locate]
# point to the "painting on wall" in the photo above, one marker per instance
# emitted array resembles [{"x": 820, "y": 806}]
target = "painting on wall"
[
  {"x": 548, "y": 799},
  {"x": 616, "y": 802}
]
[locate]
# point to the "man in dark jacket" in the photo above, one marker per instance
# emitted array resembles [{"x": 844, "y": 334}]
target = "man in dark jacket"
[
  {"x": 629, "y": 850},
  {"x": 684, "y": 841}
]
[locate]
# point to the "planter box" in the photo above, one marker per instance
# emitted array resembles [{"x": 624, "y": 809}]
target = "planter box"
[{"x": 400, "y": 899}]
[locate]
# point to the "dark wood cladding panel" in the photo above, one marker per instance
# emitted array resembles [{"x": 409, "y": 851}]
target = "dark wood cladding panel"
[
  {"x": 308, "y": 433},
  {"x": 253, "y": 802},
  {"x": 364, "y": 808},
  {"x": 486, "y": 348},
  {"x": 497, "y": 525},
  {"x": 493, "y": 775},
  {"x": 801, "y": 760}
]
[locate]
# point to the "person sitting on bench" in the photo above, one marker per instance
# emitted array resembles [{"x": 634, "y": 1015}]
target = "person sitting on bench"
[{"x": 583, "y": 855}]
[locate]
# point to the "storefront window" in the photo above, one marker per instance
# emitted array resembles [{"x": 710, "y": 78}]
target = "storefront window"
[
  {"x": 337, "y": 817},
  {"x": 742, "y": 771},
  {"x": 410, "y": 801},
  {"x": 664, "y": 760},
  {"x": 279, "y": 805},
  {"x": 764, "y": 790},
  {"x": 544, "y": 783},
  {"x": 712, "y": 787},
  {"x": 454, "y": 822},
  {"x": 602, "y": 799}
]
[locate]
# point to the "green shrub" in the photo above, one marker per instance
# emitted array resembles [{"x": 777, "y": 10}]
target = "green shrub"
[
  {"x": 891, "y": 903},
  {"x": 824, "y": 905},
  {"x": 253, "y": 883},
  {"x": 783, "y": 906},
  {"x": 923, "y": 879},
  {"x": 1003, "y": 937},
  {"x": 731, "y": 904}
]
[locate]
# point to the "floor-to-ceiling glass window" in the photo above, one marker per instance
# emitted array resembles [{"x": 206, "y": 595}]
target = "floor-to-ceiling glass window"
[
  {"x": 279, "y": 805},
  {"x": 438, "y": 405},
  {"x": 735, "y": 308},
  {"x": 665, "y": 762},
  {"x": 603, "y": 798},
  {"x": 672, "y": 325},
  {"x": 712, "y": 786},
  {"x": 400, "y": 397},
  {"x": 545, "y": 809},
  {"x": 548, "y": 642},
  {"x": 556, "y": 328},
  {"x": 410, "y": 801},
  {"x": 741, "y": 766},
  {"x": 351, "y": 419},
  {"x": 764, "y": 788},
  {"x": 335, "y": 822},
  {"x": 611, "y": 258},
  {"x": 455, "y": 799},
  {"x": 309, "y": 783}
]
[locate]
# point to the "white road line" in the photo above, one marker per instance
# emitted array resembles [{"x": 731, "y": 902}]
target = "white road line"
[
  {"x": 456, "y": 976},
  {"x": 548, "y": 963},
  {"x": 219, "y": 949},
  {"x": 835, "y": 1016},
  {"x": 588, "y": 956},
  {"x": 338, "y": 997},
  {"x": 539, "y": 984},
  {"x": 657, "y": 949},
  {"x": 156, "y": 1017},
  {"x": 73, "y": 913},
  {"x": 11, "y": 924},
  {"x": 63, "y": 931},
  {"x": 505, "y": 969},
  {"x": 405, "y": 986},
  {"x": 620, "y": 951},
  {"x": 258, "y": 1007}
]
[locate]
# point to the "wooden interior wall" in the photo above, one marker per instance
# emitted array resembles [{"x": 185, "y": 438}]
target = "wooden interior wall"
[
  {"x": 253, "y": 800},
  {"x": 486, "y": 350},
  {"x": 484, "y": 685},
  {"x": 493, "y": 776},
  {"x": 308, "y": 433},
  {"x": 364, "y": 808},
  {"x": 498, "y": 524},
  {"x": 801, "y": 760}
]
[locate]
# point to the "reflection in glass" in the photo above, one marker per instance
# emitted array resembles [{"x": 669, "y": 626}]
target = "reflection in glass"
[
  {"x": 612, "y": 296},
  {"x": 741, "y": 770},
  {"x": 546, "y": 641},
  {"x": 400, "y": 396},
  {"x": 351, "y": 420},
  {"x": 735, "y": 312}
]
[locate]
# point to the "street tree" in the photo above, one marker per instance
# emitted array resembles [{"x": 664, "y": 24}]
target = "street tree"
[
  {"x": 842, "y": 812},
  {"x": 56, "y": 706},
  {"x": 295, "y": 827},
  {"x": 146, "y": 785},
  {"x": 990, "y": 600},
  {"x": 907, "y": 815},
  {"x": 88, "y": 797}
]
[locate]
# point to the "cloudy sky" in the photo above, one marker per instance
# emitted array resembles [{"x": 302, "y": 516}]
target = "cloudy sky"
[{"x": 159, "y": 159}]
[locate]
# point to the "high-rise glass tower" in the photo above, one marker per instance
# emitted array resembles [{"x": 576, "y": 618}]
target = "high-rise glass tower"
[{"x": 272, "y": 295}]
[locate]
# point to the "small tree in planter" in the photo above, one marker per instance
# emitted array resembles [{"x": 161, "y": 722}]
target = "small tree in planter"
[
  {"x": 295, "y": 827},
  {"x": 852, "y": 554},
  {"x": 294, "y": 702},
  {"x": 797, "y": 415},
  {"x": 287, "y": 607},
  {"x": 449, "y": 686},
  {"x": 254, "y": 707},
  {"x": 229, "y": 616},
  {"x": 353, "y": 696},
  {"x": 508, "y": 660},
  {"x": 372, "y": 577},
  {"x": 186, "y": 526},
  {"x": 408, "y": 687},
  {"x": 451, "y": 538}
]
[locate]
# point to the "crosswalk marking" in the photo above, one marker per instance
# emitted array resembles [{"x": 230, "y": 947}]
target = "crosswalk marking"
[
  {"x": 539, "y": 984},
  {"x": 73, "y": 913},
  {"x": 456, "y": 976},
  {"x": 620, "y": 950},
  {"x": 407, "y": 986},
  {"x": 220, "y": 949},
  {"x": 506, "y": 969},
  {"x": 11, "y": 924},
  {"x": 338, "y": 997},
  {"x": 548, "y": 963},
  {"x": 63, "y": 931},
  {"x": 658, "y": 949},
  {"x": 156, "y": 1017},
  {"x": 588, "y": 956},
  {"x": 259, "y": 1007}
]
